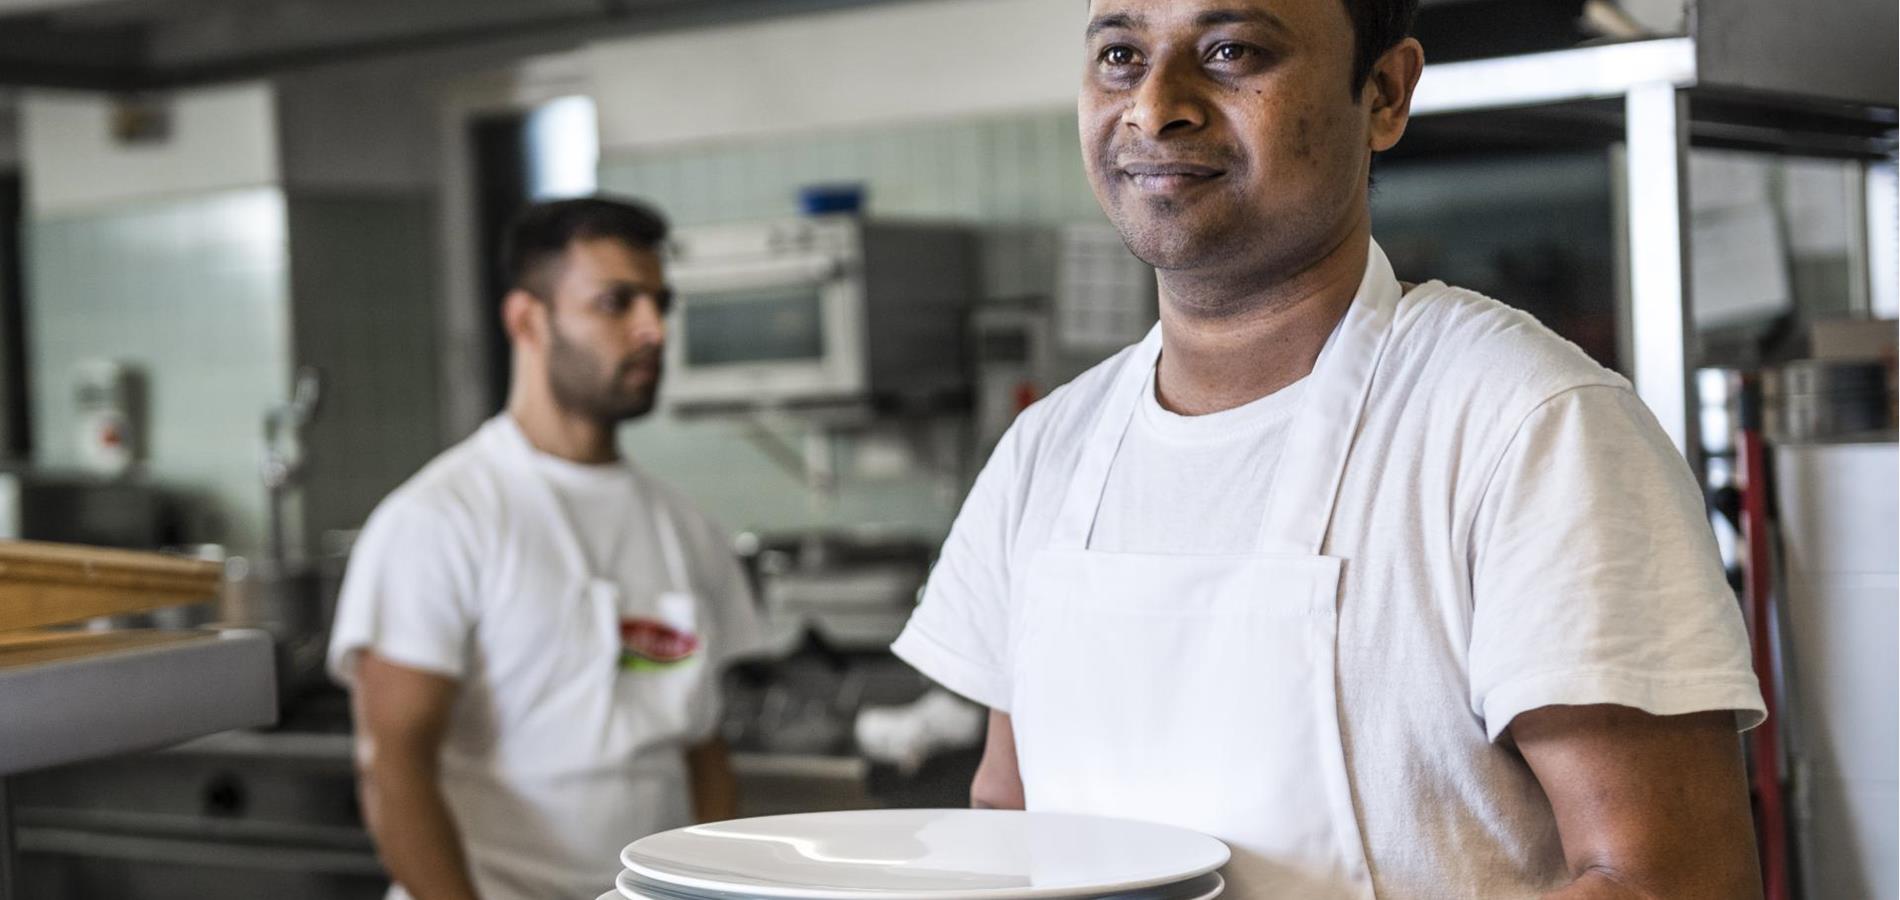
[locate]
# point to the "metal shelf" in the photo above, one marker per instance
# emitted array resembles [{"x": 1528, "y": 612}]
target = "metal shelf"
[{"x": 1665, "y": 106}]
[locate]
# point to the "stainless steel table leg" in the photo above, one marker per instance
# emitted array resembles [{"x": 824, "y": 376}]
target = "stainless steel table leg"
[{"x": 7, "y": 861}]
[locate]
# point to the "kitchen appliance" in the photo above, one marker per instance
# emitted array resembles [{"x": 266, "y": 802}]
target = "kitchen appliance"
[
  {"x": 925, "y": 854},
  {"x": 854, "y": 591},
  {"x": 84, "y": 509},
  {"x": 1828, "y": 400},
  {"x": 821, "y": 311}
]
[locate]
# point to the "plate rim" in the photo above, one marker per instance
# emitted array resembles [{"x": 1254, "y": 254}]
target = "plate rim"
[{"x": 1048, "y": 893}]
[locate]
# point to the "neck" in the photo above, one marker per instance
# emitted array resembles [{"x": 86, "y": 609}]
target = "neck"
[
  {"x": 559, "y": 433},
  {"x": 1230, "y": 340}
]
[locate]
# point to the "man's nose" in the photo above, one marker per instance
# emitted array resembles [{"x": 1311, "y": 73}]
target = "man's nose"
[
  {"x": 647, "y": 323},
  {"x": 1168, "y": 99}
]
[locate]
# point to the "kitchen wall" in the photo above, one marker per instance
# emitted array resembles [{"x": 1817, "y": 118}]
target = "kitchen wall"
[
  {"x": 845, "y": 69},
  {"x": 938, "y": 119},
  {"x": 171, "y": 256},
  {"x": 214, "y": 139},
  {"x": 9, "y": 130},
  {"x": 999, "y": 168},
  {"x": 362, "y": 271},
  {"x": 217, "y": 260},
  {"x": 361, "y": 169},
  {"x": 996, "y": 171},
  {"x": 193, "y": 292}
]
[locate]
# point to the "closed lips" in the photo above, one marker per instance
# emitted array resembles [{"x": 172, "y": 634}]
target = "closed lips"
[
  {"x": 1168, "y": 176},
  {"x": 1169, "y": 169}
]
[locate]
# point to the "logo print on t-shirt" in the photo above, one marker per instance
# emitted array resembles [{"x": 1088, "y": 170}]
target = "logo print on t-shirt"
[{"x": 647, "y": 644}]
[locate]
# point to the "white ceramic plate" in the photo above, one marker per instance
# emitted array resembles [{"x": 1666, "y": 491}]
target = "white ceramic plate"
[
  {"x": 1207, "y": 887},
  {"x": 924, "y": 854}
]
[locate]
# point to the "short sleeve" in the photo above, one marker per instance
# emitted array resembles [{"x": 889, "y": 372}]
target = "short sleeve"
[
  {"x": 959, "y": 634},
  {"x": 1595, "y": 577},
  {"x": 408, "y": 594}
]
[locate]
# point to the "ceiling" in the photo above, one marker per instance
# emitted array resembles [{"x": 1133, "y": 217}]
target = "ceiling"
[
  {"x": 139, "y": 44},
  {"x": 143, "y": 44}
]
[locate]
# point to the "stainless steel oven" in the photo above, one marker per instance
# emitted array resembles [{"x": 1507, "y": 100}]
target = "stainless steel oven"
[{"x": 816, "y": 311}]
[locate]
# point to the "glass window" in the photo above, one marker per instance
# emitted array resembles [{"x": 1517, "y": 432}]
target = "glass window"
[{"x": 758, "y": 326}]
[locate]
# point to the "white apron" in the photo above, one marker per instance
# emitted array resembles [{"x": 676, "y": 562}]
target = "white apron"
[
  {"x": 588, "y": 756},
  {"x": 1201, "y": 691}
]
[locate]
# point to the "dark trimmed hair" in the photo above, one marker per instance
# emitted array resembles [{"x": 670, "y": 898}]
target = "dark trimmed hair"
[
  {"x": 539, "y": 234},
  {"x": 1377, "y": 25}
]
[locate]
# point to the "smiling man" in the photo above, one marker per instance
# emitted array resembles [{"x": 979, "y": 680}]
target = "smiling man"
[{"x": 1384, "y": 584}]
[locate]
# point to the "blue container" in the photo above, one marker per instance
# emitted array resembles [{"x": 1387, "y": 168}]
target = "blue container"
[{"x": 825, "y": 199}]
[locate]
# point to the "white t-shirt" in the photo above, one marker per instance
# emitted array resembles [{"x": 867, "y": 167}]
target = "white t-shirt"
[
  {"x": 577, "y": 698},
  {"x": 1204, "y": 478},
  {"x": 1517, "y": 532}
]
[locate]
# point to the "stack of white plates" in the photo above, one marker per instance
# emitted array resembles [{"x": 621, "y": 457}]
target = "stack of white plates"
[{"x": 923, "y": 854}]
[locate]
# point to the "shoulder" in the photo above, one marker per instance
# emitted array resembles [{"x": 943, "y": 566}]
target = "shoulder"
[
  {"x": 1456, "y": 348},
  {"x": 452, "y": 495}
]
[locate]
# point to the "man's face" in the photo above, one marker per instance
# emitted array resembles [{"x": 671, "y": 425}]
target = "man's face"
[
  {"x": 1221, "y": 133},
  {"x": 606, "y": 330}
]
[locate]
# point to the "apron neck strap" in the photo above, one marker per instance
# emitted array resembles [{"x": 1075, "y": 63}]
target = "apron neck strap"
[
  {"x": 1313, "y": 461},
  {"x": 1083, "y": 499},
  {"x": 514, "y": 445}
]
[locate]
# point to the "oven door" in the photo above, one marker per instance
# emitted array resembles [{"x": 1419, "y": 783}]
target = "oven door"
[{"x": 781, "y": 331}]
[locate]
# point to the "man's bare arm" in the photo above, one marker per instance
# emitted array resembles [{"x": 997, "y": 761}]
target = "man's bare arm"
[
  {"x": 401, "y": 717},
  {"x": 1647, "y": 806},
  {"x": 715, "y": 788},
  {"x": 998, "y": 784}
]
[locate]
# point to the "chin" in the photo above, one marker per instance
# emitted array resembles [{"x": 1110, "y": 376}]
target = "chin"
[
  {"x": 634, "y": 409},
  {"x": 1168, "y": 245}
]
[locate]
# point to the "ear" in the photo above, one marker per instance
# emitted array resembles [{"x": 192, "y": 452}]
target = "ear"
[
  {"x": 1388, "y": 93},
  {"x": 524, "y": 318}
]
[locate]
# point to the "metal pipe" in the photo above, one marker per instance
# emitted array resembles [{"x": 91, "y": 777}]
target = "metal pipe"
[
  {"x": 1656, "y": 202},
  {"x": 1562, "y": 76}
]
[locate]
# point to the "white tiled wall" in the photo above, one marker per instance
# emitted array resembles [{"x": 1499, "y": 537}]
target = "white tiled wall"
[
  {"x": 1025, "y": 167},
  {"x": 194, "y": 292}
]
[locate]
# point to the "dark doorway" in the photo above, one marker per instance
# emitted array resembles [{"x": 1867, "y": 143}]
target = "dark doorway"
[
  {"x": 503, "y": 176},
  {"x": 16, "y": 435}
]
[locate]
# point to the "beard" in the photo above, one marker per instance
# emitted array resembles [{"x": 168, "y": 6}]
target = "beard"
[{"x": 575, "y": 376}]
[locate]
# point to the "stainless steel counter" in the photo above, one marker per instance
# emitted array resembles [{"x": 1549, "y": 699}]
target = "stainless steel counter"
[
  {"x": 73, "y": 696},
  {"x": 68, "y": 697}
]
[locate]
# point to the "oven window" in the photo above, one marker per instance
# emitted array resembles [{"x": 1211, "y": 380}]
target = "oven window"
[{"x": 758, "y": 326}]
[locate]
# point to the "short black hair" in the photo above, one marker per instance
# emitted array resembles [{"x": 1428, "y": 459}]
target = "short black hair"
[
  {"x": 539, "y": 234},
  {"x": 1377, "y": 25}
]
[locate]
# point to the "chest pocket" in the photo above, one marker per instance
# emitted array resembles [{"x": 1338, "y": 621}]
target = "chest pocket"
[{"x": 661, "y": 680}]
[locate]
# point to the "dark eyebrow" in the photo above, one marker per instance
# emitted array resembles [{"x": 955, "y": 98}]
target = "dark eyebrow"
[
  {"x": 1204, "y": 20},
  {"x": 1240, "y": 17},
  {"x": 624, "y": 286},
  {"x": 1113, "y": 20}
]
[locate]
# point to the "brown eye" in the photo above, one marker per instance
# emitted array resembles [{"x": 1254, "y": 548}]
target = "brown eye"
[
  {"x": 1232, "y": 52},
  {"x": 1120, "y": 55}
]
